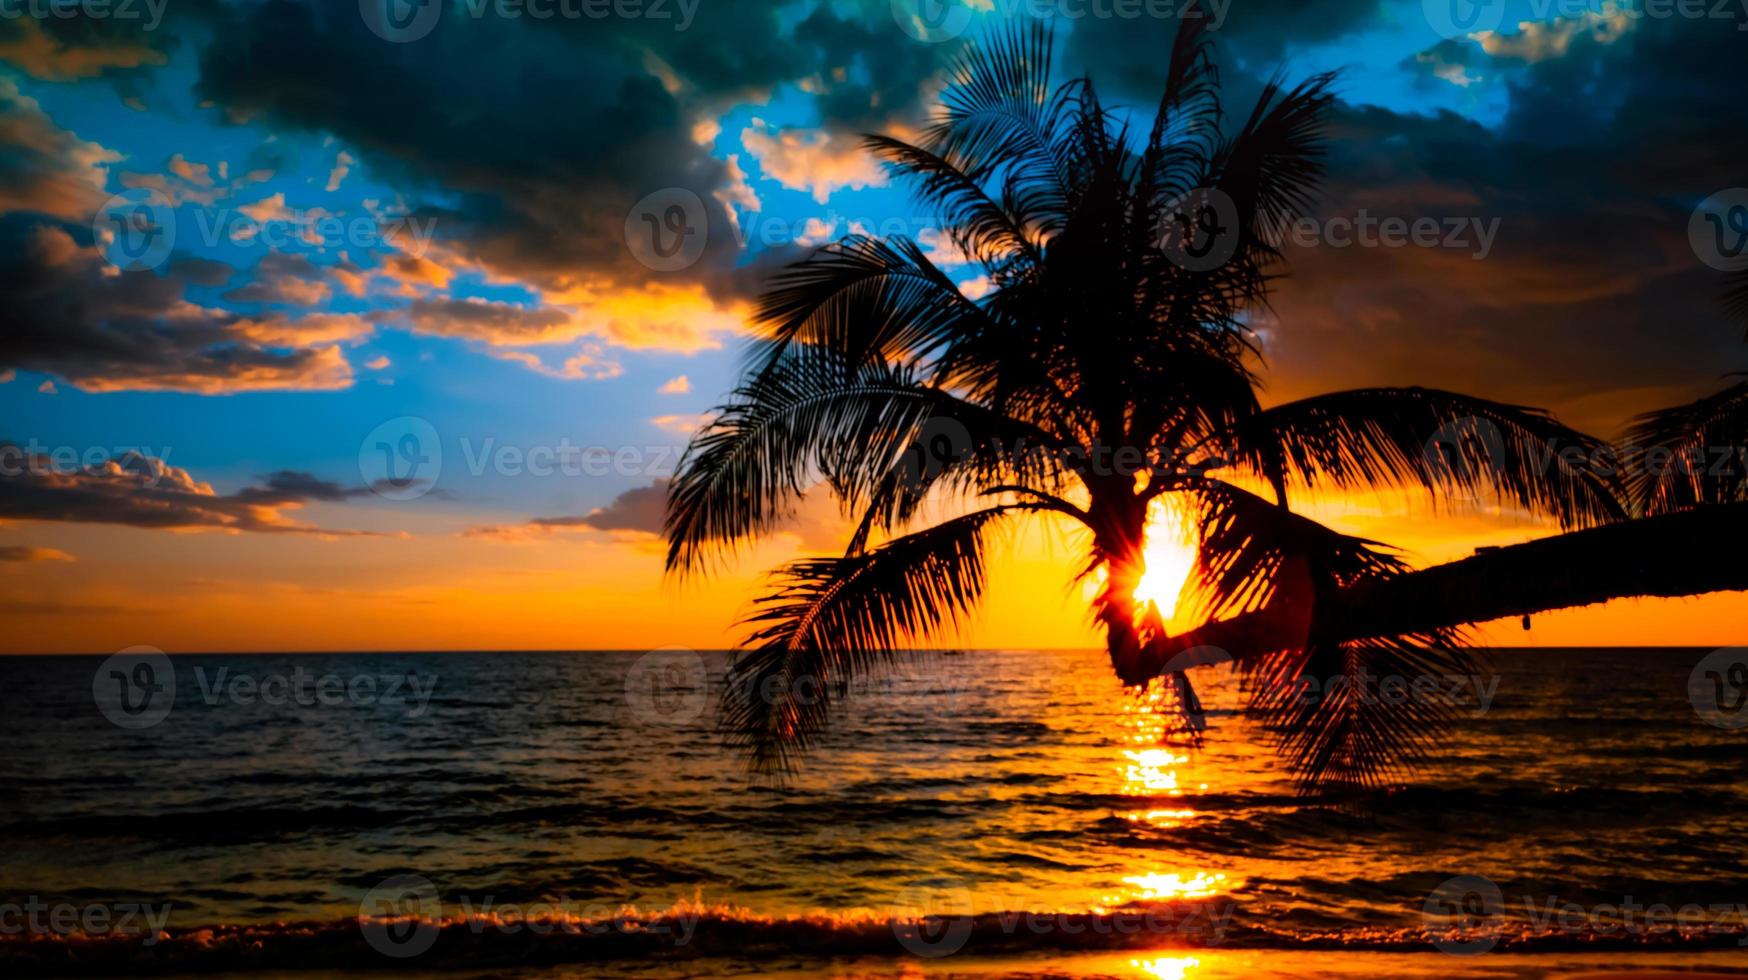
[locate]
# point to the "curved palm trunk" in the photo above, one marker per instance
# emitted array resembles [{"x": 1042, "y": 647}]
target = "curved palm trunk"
[
  {"x": 1687, "y": 553},
  {"x": 1119, "y": 521}
]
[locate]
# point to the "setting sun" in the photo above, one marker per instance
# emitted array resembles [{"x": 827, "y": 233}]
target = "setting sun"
[{"x": 1169, "y": 558}]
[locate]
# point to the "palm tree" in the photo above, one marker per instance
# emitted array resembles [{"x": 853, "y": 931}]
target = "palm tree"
[
  {"x": 1692, "y": 455},
  {"x": 1104, "y": 373},
  {"x": 1685, "y": 480}
]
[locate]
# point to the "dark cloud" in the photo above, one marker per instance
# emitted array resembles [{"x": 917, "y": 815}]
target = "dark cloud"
[
  {"x": 529, "y": 161},
  {"x": 1591, "y": 300},
  {"x": 44, "y": 168},
  {"x": 282, "y": 277},
  {"x": 1127, "y": 57},
  {"x": 557, "y": 128},
  {"x": 884, "y": 69},
  {"x": 202, "y": 272},
  {"x": 145, "y": 492},
  {"x": 640, "y": 509},
  {"x": 545, "y": 141},
  {"x": 500, "y": 323},
  {"x": 69, "y": 48},
  {"x": 71, "y": 314}
]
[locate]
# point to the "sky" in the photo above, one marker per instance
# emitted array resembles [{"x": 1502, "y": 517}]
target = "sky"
[{"x": 341, "y": 326}]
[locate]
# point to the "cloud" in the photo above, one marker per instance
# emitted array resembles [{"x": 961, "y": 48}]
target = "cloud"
[
  {"x": 653, "y": 317},
  {"x": 680, "y": 425},
  {"x": 71, "y": 314},
  {"x": 287, "y": 278},
  {"x": 675, "y": 386},
  {"x": 812, "y": 160},
  {"x": 534, "y": 194},
  {"x": 640, "y": 510},
  {"x": 342, "y": 166},
  {"x": 1591, "y": 300},
  {"x": 47, "y": 49},
  {"x": 976, "y": 287},
  {"x": 1467, "y": 61},
  {"x": 1127, "y": 55},
  {"x": 46, "y": 169},
  {"x": 495, "y": 323},
  {"x": 140, "y": 491},
  {"x": 537, "y": 198},
  {"x": 26, "y": 553},
  {"x": 588, "y": 364}
]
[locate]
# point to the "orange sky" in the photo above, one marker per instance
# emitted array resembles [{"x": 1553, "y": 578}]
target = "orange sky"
[{"x": 434, "y": 589}]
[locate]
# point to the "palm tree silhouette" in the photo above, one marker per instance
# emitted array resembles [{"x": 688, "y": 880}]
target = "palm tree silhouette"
[
  {"x": 1108, "y": 366},
  {"x": 1692, "y": 455}
]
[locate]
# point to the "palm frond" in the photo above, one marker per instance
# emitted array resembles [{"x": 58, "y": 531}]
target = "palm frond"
[
  {"x": 1447, "y": 443},
  {"x": 832, "y": 620},
  {"x": 784, "y": 430},
  {"x": 1186, "y": 126},
  {"x": 1690, "y": 454},
  {"x": 1736, "y": 294},
  {"x": 1332, "y": 722},
  {"x": 963, "y": 448},
  {"x": 1272, "y": 168},
  {"x": 865, "y": 300},
  {"x": 1246, "y": 544},
  {"x": 999, "y": 113},
  {"x": 1357, "y": 715},
  {"x": 979, "y": 226}
]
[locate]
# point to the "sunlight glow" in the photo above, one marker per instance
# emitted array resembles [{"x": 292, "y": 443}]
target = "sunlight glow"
[
  {"x": 1167, "y": 967},
  {"x": 1151, "y": 770},
  {"x": 1168, "y": 559},
  {"x": 1156, "y": 886}
]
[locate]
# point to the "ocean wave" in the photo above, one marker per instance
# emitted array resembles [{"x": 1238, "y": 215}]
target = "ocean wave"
[{"x": 691, "y": 930}]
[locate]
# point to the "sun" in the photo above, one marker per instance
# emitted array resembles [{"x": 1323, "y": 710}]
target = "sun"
[{"x": 1167, "y": 560}]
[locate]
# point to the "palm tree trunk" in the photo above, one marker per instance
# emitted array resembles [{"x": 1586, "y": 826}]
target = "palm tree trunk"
[
  {"x": 1119, "y": 520},
  {"x": 1681, "y": 554}
]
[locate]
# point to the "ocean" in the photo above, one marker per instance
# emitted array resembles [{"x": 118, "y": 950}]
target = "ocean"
[{"x": 990, "y": 813}]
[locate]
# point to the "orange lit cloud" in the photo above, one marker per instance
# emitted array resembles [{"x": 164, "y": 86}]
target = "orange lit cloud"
[
  {"x": 37, "y": 54},
  {"x": 143, "y": 491},
  {"x": 49, "y": 170},
  {"x": 812, "y": 160}
]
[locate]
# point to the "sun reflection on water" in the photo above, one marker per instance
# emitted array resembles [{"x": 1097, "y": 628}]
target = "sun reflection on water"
[
  {"x": 1167, "y": 967},
  {"x": 1151, "y": 770},
  {"x": 1164, "y": 886}
]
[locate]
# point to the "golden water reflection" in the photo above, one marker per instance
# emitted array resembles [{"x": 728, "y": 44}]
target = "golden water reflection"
[
  {"x": 1166, "y": 967},
  {"x": 1151, "y": 770}
]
